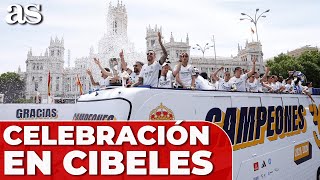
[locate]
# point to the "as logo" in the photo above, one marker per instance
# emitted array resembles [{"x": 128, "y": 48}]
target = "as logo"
[
  {"x": 263, "y": 164},
  {"x": 28, "y": 14}
]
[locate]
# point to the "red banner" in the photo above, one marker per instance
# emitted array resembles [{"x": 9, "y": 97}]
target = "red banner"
[{"x": 117, "y": 150}]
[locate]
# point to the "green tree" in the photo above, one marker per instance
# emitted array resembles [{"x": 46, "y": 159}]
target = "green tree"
[
  {"x": 308, "y": 63},
  {"x": 11, "y": 86}
]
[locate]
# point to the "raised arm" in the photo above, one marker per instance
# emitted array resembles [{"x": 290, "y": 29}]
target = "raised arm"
[
  {"x": 91, "y": 78},
  {"x": 214, "y": 75},
  {"x": 96, "y": 60},
  {"x": 177, "y": 70},
  {"x": 165, "y": 54},
  {"x": 250, "y": 73},
  {"x": 264, "y": 77},
  {"x": 123, "y": 62}
]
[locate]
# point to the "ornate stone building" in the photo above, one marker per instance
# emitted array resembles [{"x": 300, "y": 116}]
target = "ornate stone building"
[
  {"x": 174, "y": 48},
  {"x": 38, "y": 67},
  {"x": 299, "y": 51},
  {"x": 64, "y": 80},
  {"x": 243, "y": 60}
]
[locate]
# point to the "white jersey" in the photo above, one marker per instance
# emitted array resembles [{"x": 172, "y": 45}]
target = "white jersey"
[
  {"x": 275, "y": 86},
  {"x": 203, "y": 84},
  {"x": 166, "y": 81},
  {"x": 185, "y": 75},
  {"x": 150, "y": 74},
  {"x": 104, "y": 82},
  {"x": 240, "y": 83},
  {"x": 288, "y": 88},
  {"x": 223, "y": 85},
  {"x": 253, "y": 87},
  {"x": 133, "y": 78}
]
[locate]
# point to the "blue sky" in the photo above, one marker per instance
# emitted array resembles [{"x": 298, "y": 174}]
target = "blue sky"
[{"x": 290, "y": 24}]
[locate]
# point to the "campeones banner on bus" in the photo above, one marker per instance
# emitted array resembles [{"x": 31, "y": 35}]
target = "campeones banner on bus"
[{"x": 117, "y": 150}]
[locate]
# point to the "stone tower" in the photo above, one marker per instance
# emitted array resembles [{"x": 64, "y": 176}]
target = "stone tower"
[
  {"x": 117, "y": 20},
  {"x": 152, "y": 37},
  {"x": 56, "y": 49}
]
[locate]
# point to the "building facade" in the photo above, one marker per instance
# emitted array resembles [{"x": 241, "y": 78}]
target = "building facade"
[
  {"x": 243, "y": 59},
  {"x": 38, "y": 67},
  {"x": 298, "y": 52},
  {"x": 174, "y": 48},
  {"x": 64, "y": 79}
]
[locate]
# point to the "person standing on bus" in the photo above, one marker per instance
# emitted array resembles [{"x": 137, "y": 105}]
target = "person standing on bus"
[
  {"x": 184, "y": 78},
  {"x": 133, "y": 76},
  {"x": 105, "y": 74},
  {"x": 150, "y": 72},
  {"x": 223, "y": 83},
  {"x": 167, "y": 77},
  {"x": 239, "y": 80}
]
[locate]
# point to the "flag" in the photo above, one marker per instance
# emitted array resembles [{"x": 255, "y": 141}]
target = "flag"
[
  {"x": 49, "y": 83},
  {"x": 80, "y": 85},
  {"x": 252, "y": 31}
]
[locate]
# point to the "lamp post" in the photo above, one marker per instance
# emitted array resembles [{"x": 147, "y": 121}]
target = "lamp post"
[
  {"x": 255, "y": 20},
  {"x": 203, "y": 49}
]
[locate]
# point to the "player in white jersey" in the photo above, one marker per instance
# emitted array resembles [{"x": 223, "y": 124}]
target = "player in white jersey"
[
  {"x": 166, "y": 78},
  {"x": 223, "y": 84},
  {"x": 104, "y": 82},
  {"x": 200, "y": 82},
  {"x": 133, "y": 76},
  {"x": 150, "y": 72},
  {"x": 184, "y": 77},
  {"x": 239, "y": 79},
  {"x": 255, "y": 83}
]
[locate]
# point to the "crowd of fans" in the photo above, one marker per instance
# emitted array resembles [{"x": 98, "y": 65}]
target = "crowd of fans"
[{"x": 161, "y": 75}]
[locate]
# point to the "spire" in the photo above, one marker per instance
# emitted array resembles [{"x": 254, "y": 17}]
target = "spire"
[
  {"x": 69, "y": 57},
  {"x": 62, "y": 41},
  {"x": 51, "y": 41},
  {"x": 19, "y": 69},
  {"x": 91, "y": 50},
  {"x": 171, "y": 38},
  {"x": 118, "y": 4},
  {"x": 238, "y": 47},
  {"x": 46, "y": 53},
  {"x": 187, "y": 39},
  {"x": 30, "y": 52}
]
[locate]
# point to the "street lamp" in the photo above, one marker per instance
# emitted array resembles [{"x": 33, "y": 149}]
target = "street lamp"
[
  {"x": 202, "y": 48},
  {"x": 255, "y": 19}
]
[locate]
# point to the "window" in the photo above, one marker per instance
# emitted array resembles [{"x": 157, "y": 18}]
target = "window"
[
  {"x": 153, "y": 43},
  {"x": 52, "y": 53},
  {"x": 57, "y": 84},
  {"x": 36, "y": 86}
]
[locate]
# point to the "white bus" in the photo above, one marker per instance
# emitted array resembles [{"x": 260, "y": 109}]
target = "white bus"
[{"x": 274, "y": 136}]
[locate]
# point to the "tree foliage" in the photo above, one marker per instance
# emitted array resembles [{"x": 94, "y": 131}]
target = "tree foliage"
[
  {"x": 308, "y": 63},
  {"x": 12, "y": 86}
]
